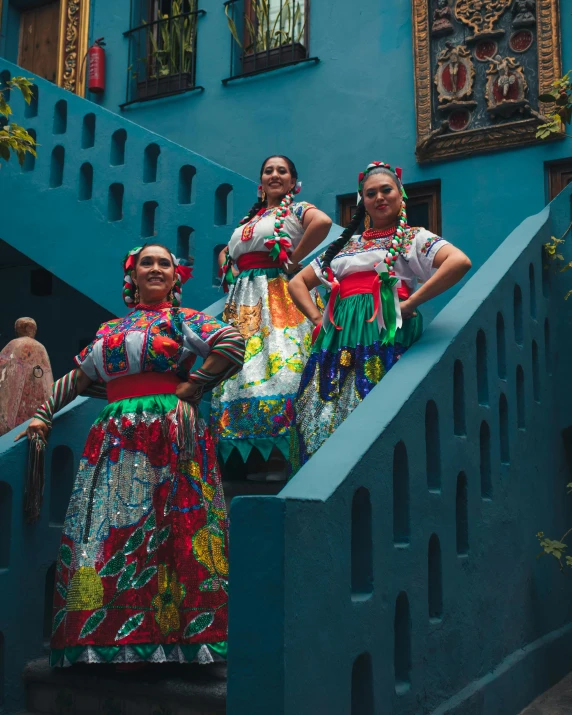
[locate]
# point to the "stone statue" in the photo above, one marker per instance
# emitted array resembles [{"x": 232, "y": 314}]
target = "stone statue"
[
  {"x": 25, "y": 376},
  {"x": 505, "y": 79},
  {"x": 523, "y": 13},
  {"x": 442, "y": 24},
  {"x": 454, "y": 69}
]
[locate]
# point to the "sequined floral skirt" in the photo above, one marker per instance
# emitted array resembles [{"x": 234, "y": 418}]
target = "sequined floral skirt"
[
  {"x": 142, "y": 567},
  {"x": 345, "y": 365},
  {"x": 255, "y": 408}
]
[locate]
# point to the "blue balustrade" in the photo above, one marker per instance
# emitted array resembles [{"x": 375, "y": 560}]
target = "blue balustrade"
[
  {"x": 28, "y": 551},
  {"x": 101, "y": 185},
  {"x": 458, "y": 461}
]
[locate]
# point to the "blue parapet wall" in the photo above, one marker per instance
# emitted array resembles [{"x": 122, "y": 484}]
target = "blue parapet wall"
[
  {"x": 397, "y": 572},
  {"x": 102, "y": 185},
  {"x": 28, "y": 551}
]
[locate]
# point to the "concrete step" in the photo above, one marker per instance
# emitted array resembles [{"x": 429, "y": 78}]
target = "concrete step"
[
  {"x": 556, "y": 701},
  {"x": 159, "y": 689},
  {"x": 244, "y": 487}
]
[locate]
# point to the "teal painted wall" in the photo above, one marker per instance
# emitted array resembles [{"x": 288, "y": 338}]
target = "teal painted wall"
[
  {"x": 356, "y": 105},
  {"x": 60, "y": 308}
]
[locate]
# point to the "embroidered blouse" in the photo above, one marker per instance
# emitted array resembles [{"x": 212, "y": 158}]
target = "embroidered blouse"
[
  {"x": 251, "y": 236},
  {"x": 159, "y": 340},
  {"x": 415, "y": 263}
]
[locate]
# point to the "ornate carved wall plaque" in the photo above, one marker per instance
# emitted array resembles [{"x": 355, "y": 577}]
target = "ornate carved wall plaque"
[
  {"x": 74, "y": 28},
  {"x": 480, "y": 66}
]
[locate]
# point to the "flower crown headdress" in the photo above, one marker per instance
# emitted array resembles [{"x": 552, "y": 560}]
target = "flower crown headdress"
[
  {"x": 182, "y": 275},
  {"x": 379, "y": 165}
]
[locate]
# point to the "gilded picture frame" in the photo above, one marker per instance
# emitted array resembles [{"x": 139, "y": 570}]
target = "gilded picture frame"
[
  {"x": 73, "y": 41},
  {"x": 435, "y": 141}
]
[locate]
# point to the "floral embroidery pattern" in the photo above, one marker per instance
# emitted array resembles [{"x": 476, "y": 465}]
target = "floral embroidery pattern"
[
  {"x": 115, "y": 360},
  {"x": 168, "y": 601}
]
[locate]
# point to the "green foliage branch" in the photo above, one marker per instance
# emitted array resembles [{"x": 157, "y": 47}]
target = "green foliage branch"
[
  {"x": 14, "y": 139},
  {"x": 559, "y": 101}
]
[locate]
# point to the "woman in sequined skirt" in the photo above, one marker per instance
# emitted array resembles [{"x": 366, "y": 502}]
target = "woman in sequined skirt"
[
  {"x": 142, "y": 567},
  {"x": 371, "y": 317},
  {"x": 254, "y": 409}
]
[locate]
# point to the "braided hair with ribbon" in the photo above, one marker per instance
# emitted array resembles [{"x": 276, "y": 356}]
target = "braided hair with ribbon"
[
  {"x": 279, "y": 241},
  {"x": 376, "y": 167},
  {"x": 182, "y": 275}
]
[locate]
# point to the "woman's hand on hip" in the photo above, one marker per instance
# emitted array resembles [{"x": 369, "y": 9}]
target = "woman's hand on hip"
[
  {"x": 407, "y": 310},
  {"x": 189, "y": 392},
  {"x": 36, "y": 427}
]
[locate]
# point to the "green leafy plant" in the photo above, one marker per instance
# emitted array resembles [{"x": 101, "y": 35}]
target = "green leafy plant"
[
  {"x": 560, "y": 109},
  {"x": 556, "y": 547},
  {"x": 14, "y": 139},
  {"x": 265, "y": 33},
  {"x": 173, "y": 41},
  {"x": 552, "y": 250}
]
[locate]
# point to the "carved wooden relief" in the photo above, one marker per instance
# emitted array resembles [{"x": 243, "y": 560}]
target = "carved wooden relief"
[
  {"x": 74, "y": 28},
  {"x": 480, "y": 66}
]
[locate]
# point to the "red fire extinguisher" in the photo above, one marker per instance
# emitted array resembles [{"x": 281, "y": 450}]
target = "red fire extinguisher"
[{"x": 96, "y": 67}]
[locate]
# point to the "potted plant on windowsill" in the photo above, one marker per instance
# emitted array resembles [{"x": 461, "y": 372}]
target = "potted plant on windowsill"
[
  {"x": 170, "y": 61},
  {"x": 271, "y": 42}
]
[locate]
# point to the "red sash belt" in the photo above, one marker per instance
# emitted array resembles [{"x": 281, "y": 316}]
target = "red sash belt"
[
  {"x": 256, "y": 259},
  {"x": 141, "y": 384},
  {"x": 356, "y": 284}
]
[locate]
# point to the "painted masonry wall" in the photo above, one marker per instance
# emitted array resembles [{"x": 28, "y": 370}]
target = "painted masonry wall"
[{"x": 356, "y": 105}]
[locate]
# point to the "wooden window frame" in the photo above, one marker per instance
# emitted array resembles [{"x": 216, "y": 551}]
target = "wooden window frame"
[{"x": 558, "y": 172}]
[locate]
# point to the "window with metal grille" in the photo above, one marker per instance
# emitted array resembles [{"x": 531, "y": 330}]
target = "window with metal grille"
[
  {"x": 267, "y": 34},
  {"x": 162, "y": 49}
]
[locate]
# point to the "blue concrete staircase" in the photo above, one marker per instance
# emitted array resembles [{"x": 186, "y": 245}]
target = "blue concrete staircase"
[
  {"x": 102, "y": 185},
  {"x": 396, "y": 573}
]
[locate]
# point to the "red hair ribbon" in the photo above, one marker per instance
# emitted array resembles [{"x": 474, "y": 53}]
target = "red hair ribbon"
[
  {"x": 184, "y": 273},
  {"x": 130, "y": 264}
]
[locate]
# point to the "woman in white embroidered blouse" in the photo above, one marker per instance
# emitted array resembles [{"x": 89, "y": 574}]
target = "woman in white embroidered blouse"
[
  {"x": 371, "y": 318},
  {"x": 254, "y": 409}
]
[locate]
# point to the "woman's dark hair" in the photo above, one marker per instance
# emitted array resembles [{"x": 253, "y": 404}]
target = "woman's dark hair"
[
  {"x": 336, "y": 246},
  {"x": 261, "y": 204}
]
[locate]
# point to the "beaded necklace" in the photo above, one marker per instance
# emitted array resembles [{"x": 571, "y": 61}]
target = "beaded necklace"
[{"x": 397, "y": 243}]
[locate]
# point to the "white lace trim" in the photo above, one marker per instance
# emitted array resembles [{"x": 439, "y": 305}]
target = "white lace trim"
[{"x": 204, "y": 656}]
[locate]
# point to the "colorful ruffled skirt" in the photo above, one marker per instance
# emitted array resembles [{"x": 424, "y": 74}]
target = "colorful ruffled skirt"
[
  {"x": 142, "y": 567},
  {"x": 345, "y": 365},
  {"x": 255, "y": 408}
]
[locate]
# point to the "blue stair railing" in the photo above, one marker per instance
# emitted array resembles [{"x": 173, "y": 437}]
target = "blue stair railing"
[
  {"x": 396, "y": 573},
  {"x": 101, "y": 185}
]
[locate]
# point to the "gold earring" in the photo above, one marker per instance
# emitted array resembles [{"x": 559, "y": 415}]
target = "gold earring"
[
  {"x": 263, "y": 197},
  {"x": 367, "y": 221},
  {"x": 136, "y": 295},
  {"x": 171, "y": 295}
]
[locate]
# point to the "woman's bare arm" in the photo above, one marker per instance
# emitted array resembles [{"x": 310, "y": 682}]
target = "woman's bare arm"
[{"x": 299, "y": 288}]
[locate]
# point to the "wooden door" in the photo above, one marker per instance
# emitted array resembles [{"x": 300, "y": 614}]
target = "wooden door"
[{"x": 39, "y": 34}]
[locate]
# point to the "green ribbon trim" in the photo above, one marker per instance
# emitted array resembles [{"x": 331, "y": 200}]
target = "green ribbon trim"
[
  {"x": 388, "y": 308},
  {"x": 58, "y": 656},
  {"x": 244, "y": 447}
]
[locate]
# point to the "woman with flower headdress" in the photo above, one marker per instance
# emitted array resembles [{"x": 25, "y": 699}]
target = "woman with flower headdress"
[
  {"x": 371, "y": 317},
  {"x": 254, "y": 409},
  {"x": 142, "y": 567}
]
